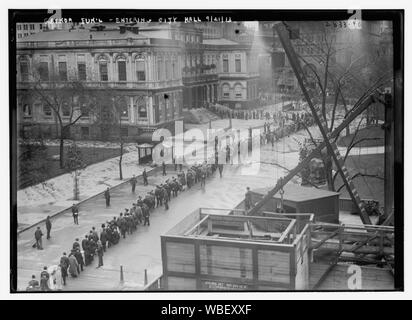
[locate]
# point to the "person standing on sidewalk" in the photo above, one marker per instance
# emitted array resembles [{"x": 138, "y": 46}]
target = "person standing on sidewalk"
[
  {"x": 75, "y": 212},
  {"x": 107, "y": 197},
  {"x": 38, "y": 235},
  {"x": 164, "y": 168},
  {"x": 48, "y": 227},
  {"x": 44, "y": 280},
  {"x": 144, "y": 174},
  {"x": 133, "y": 182},
  {"x": 64, "y": 263},
  {"x": 99, "y": 252}
]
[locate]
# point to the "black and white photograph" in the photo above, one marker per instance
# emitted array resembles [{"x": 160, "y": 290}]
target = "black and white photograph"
[{"x": 206, "y": 150}]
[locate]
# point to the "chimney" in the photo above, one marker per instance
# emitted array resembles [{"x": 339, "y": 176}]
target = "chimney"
[{"x": 122, "y": 29}]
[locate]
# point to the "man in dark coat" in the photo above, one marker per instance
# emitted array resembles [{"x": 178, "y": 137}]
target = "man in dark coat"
[
  {"x": 78, "y": 255},
  {"x": 33, "y": 284},
  {"x": 44, "y": 280},
  {"x": 99, "y": 252},
  {"x": 158, "y": 195},
  {"x": 164, "y": 168},
  {"x": 76, "y": 244},
  {"x": 95, "y": 235},
  {"x": 220, "y": 166},
  {"x": 48, "y": 227},
  {"x": 75, "y": 212},
  {"x": 103, "y": 238},
  {"x": 165, "y": 198},
  {"x": 144, "y": 174},
  {"x": 122, "y": 225},
  {"x": 86, "y": 249},
  {"x": 37, "y": 236},
  {"x": 64, "y": 263},
  {"x": 146, "y": 215},
  {"x": 133, "y": 182},
  {"x": 248, "y": 199},
  {"x": 107, "y": 197}
]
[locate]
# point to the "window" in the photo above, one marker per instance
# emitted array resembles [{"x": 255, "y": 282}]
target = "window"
[
  {"x": 47, "y": 111},
  {"x": 142, "y": 112},
  {"x": 225, "y": 91},
  {"x": 84, "y": 108},
  {"x": 225, "y": 64},
  {"x": 103, "y": 70},
  {"x": 238, "y": 67},
  {"x": 140, "y": 70},
  {"x": 63, "y": 71},
  {"x": 122, "y": 70},
  {"x": 18, "y": 27},
  {"x": 41, "y": 26},
  {"x": 44, "y": 71},
  {"x": 24, "y": 70},
  {"x": 238, "y": 91},
  {"x": 25, "y": 27},
  {"x": 65, "y": 109},
  {"x": 19, "y": 35},
  {"x": 31, "y": 26},
  {"x": 81, "y": 70},
  {"x": 27, "y": 112},
  {"x": 26, "y": 34}
]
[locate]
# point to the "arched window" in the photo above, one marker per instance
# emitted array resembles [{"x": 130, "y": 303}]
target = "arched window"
[
  {"x": 238, "y": 91},
  {"x": 140, "y": 68},
  {"x": 225, "y": 91},
  {"x": 84, "y": 107},
  {"x": 121, "y": 68},
  {"x": 103, "y": 69}
]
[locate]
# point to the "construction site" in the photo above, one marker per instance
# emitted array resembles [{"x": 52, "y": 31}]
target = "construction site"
[{"x": 291, "y": 237}]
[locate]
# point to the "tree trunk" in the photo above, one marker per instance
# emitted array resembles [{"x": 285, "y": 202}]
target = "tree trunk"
[{"x": 61, "y": 157}]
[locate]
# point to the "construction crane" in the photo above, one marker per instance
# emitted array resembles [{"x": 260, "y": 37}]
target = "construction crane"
[{"x": 328, "y": 137}]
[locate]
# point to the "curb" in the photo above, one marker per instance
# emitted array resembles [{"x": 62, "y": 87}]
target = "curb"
[{"x": 84, "y": 200}]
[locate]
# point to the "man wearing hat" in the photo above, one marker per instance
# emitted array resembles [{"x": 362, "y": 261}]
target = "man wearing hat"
[{"x": 133, "y": 182}]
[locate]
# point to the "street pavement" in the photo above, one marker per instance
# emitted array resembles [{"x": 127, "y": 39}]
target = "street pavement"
[{"x": 141, "y": 250}]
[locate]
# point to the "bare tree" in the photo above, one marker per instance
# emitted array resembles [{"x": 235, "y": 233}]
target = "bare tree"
[
  {"x": 338, "y": 86},
  {"x": 67, "y": 99},
  {"x": 110, "y": 118}
]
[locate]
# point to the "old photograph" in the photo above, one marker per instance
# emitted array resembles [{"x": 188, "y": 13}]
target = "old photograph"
[{"x": 206, "y": 150}]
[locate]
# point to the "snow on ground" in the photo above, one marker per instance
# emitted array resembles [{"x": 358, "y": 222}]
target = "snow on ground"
[{"x": 33, "y": 202}]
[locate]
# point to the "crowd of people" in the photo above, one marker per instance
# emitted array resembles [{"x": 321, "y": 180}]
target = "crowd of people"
[{"x": 94, "y": 244}]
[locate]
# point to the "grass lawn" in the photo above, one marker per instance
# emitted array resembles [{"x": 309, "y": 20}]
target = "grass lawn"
[
  {"x": 368, "y": 187},
  {"x": 370, "y": 132},
  {"x": 91, "y": 155}
]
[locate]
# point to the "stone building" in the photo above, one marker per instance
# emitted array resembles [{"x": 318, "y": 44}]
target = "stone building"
[
  {"x": 237, "y": 66},
  {"x": 142, "y": 74}
]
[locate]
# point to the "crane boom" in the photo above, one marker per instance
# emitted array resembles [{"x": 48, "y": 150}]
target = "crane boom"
[
  {"x": 331, "y": 145},
  {"x": 349, "y": 118}
]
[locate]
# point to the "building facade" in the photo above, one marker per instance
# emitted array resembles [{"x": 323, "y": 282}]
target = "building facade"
[
  {"x": 143, "y": 75},
  {"x": 237, "y": 67}
]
